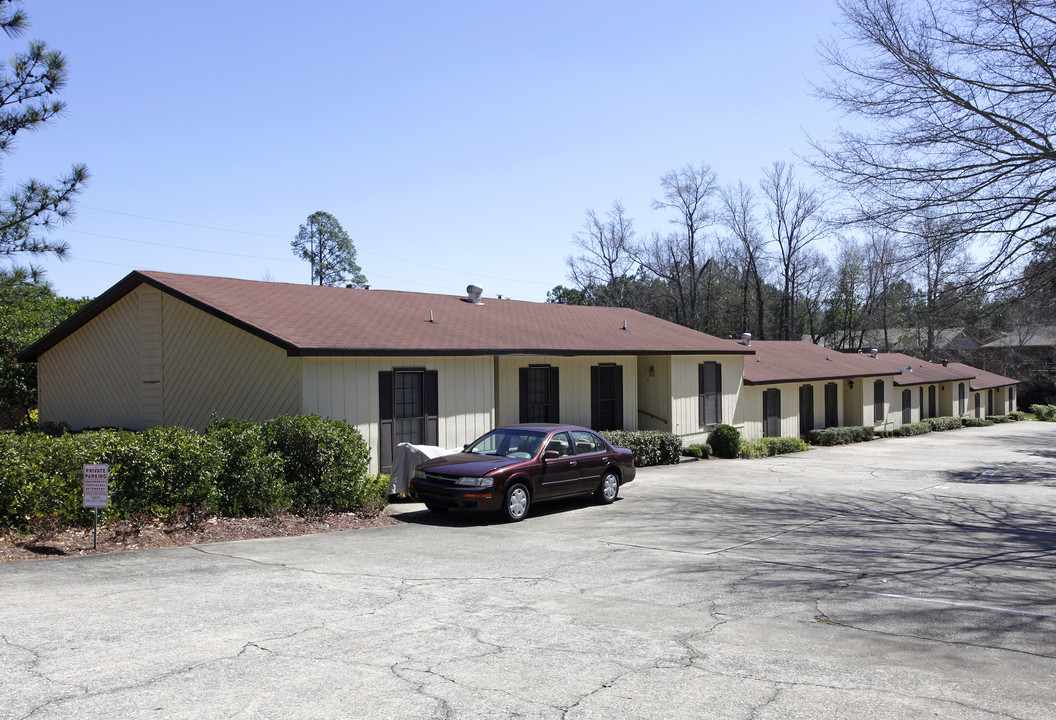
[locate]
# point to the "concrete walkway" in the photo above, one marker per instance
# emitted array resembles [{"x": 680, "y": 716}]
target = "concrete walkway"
[{"x": 903, "y": 578}]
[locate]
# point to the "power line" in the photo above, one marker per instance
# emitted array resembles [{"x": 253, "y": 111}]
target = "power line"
[{"x": 282, "y": 237}]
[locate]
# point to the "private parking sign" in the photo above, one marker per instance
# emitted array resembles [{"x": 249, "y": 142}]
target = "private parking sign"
[{"x": 96, "y": 486}]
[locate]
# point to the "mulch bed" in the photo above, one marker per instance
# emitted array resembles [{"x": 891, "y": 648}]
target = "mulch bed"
[{"x": 67, "y": 542}]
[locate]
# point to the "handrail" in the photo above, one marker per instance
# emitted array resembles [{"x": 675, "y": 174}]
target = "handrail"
[{"x": 654, "y": 417}]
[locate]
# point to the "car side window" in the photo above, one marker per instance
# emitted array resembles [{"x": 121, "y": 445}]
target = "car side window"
[
  {"x": 561, "y": 443},
  {"x": 586, "y": 442}
]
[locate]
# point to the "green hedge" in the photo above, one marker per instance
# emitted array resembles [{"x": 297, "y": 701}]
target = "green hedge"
[
  {"x": 699, "y": 450},
  {"x": 840, "y": 435},
  {"x": 910, "y": 429},
  {"x": 976, "y": 422},
  {"x": 947, "y": 422},
  {"x": 650, "y": 447},
  {"x": 994, "y": 419},
  {"x": 1017, "y": 415},
  {"x": 725, "y": 441},
  {"x": 233, "y": 468},
  {"x": 1044, "y": 412},
  {"x": 770, "y": 446}
]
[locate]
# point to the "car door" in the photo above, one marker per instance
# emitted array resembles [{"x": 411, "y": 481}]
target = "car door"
[
  {"x": 592, "y": 459},
  {"x": 561, "y": 474}
]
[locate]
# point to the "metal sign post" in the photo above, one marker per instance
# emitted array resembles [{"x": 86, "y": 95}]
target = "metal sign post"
[{"x": 96, "y": 494}]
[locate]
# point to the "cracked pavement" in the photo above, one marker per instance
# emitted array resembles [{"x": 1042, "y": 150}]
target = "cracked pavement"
[{"x": 907, "y": 577}]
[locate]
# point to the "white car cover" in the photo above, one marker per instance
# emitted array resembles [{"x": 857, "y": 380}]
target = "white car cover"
[{"x": 408, "y": 458}]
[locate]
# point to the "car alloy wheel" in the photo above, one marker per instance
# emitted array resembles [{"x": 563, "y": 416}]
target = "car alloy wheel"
[
  {"x": 609, "y": 488},
  {"x": 517, "y": 502}
]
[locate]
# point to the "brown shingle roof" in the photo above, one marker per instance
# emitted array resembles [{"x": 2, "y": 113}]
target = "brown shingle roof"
[
  {"x": 913, "y": 371},
  {"x": 314, "y": 320},
  {"x": 793, "y": 361},
  {"x": 984, "y": 379}
]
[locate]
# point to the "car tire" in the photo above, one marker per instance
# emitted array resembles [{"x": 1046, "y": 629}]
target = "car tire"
[
  {"x": 516, "y": 503},
  {"x": 609, "y": 488},
  {"x": 433, "y": 507}
]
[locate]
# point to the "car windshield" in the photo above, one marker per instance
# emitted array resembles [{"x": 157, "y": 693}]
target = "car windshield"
[{"x": 508, "y": 442}]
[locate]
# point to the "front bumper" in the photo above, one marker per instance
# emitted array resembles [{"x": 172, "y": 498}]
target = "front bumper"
[{"x": 455, "y": 497}]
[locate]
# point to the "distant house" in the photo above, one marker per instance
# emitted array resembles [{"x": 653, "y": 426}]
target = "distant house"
[{"x": 166, "y": 349}]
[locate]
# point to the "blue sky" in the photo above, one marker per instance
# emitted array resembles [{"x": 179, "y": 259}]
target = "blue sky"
[{"x": 457, "y": 142}]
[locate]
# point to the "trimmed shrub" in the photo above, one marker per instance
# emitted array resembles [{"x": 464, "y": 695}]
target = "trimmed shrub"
[
  {"x": 910, "y": 429},
  {"x": 650, "y": 447},
  {"x": 770, "y": 446},
  {"x": 324, "y": 462},
  {"x": 947, "y": 422},
  {"x": 976, "y": 422},
  {"x": 1044, "y": 412},
  {"x": 840, "y": 435},
  {"x": 995, "y": 419},
  {"x": 725, "y": 441},
  {"x": 1017, "y": 415},
  {"x": 251, "y": 480},
  {"x": 702, "y": 451},
  {"x": 236, "y": 467},
  {"x": 942, "y": 423}
]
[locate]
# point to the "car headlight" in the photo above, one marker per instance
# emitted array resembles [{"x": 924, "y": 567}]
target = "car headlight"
[
  {"x": 419, "y": 474},
  {"x": 475, "y": 481}
]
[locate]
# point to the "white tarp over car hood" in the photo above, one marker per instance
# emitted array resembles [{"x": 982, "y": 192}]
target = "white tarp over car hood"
[{"x": 409, "y": 457}]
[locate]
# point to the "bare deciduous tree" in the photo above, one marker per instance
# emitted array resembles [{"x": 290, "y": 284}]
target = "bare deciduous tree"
[
  {"x": 961, "y": 97},
  {"x": 795, "y": 220},
  {"x": 604, "y": 259},
  {"x": 748, "y": 248},
  {"x": 680, "y": 257}
]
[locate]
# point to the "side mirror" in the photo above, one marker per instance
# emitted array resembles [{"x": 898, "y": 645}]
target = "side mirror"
[
  {"x": 465, "y": 447},
  {"x": 551, "y": 455}
]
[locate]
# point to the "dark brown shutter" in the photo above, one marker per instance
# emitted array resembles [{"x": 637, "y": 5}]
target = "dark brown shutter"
[
  {"x": 555, "y": 411},
  {"x": 432, "y": 406},
  {"x": 385, "y": 433},
  {"x": 595, "y": 397},
  {"x": 718, "y": 391},
  {"x": 702, "y": 412},
  {"x": 619, "y": 397},
  {"x": 522, "y": 374}
]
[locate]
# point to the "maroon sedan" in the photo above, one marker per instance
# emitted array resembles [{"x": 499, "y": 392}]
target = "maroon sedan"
[{"x": 512, "y": 467}]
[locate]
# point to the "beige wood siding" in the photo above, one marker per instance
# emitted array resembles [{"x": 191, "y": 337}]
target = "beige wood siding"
[
  {"x": 210, "y": 367},
  {"x": 853, "y": 404},
  {"x": 685, "y": 393},
  {"x": 92, "y": 377},
  {"x": 654, "y": 392},
  {"x": 752, "y": 409},
  {"x": 346, "y": 388},
  {"x": 573, "y": 385},
  {"x": 151, "y": 356}
]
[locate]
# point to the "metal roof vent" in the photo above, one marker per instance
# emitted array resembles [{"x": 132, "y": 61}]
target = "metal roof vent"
[
  {"x": 473, "y": 293},
  {"x": 874, "y": 353},
  {"x": 746, "y": 338}
]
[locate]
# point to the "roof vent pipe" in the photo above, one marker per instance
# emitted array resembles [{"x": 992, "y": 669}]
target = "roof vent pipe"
[
  {"x": 746, "y": 338},
  {"x": 873, "y": 353}
]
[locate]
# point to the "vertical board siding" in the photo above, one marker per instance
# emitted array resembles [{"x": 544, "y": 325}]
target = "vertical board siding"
[
  {"x": 573, "y": 384},
  {"x": 151, "y": 356},
  {"x": 212, "y": 367},
  {"x": 92, "y": 377},
  {"x": 685, "y": 393},
  {"x": 654, "y": 392},
  {"x": 346, "y": 388}
]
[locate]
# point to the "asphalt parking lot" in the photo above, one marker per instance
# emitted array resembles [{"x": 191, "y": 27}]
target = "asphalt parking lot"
[{"x": 903, "y": 578}]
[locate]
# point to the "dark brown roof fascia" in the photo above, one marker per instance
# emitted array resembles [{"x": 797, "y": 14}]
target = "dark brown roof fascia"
[
  {"x": 476, "y": 352},
  {"x": 817, "y": 379}
]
